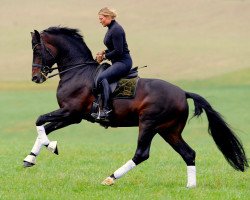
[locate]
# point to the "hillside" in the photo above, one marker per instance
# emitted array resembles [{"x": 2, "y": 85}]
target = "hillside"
[{"x": 178, "y": 40}]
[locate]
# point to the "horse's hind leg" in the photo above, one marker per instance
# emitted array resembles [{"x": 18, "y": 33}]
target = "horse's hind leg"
[
  {"x": 142, "y": 153},
  {"x": 174, "y": 138}
]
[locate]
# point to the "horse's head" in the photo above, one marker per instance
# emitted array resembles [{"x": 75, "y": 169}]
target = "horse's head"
[
  {"x": 44, "y": 56},
  {"x": 61, "y": 45}
]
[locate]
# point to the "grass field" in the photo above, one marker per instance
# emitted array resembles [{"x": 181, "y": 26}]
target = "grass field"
[
  {"x": 202, "y": 46},
  {"x": 89, "y": 153}
]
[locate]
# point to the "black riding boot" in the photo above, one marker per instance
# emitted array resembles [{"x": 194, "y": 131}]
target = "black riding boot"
[{"x": 105, "y": 112}]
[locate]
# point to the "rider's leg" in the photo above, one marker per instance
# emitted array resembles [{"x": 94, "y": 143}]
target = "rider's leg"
[
  {"x": 115, "y": 72},
  {"x": 105, "y": 99}
]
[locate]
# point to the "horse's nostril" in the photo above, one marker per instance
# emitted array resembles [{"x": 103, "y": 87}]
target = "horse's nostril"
[{"x": 34, "y": 78}]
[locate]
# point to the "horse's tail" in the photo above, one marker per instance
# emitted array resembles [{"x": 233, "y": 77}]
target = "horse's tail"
[{"x": 224, "y": 137}]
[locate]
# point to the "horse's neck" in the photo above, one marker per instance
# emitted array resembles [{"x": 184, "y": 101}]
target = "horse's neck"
[
  {"x": 69, "y": 64},
  {"x": 72, "y": 54},
  {"x": 82, "y": 75}
]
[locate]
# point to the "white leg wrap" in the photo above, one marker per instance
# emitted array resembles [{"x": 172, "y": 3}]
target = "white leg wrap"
[
  {"x": 37, "y": 147},
  {"x": 30, "y": 159},
  {"x": 191, "y": 176},
  {"x": 124, "y": 169},
  {"x": 42, "y": 135},
  {"x": 52, "y": 146},
  {"x": 41, "y": 140}
]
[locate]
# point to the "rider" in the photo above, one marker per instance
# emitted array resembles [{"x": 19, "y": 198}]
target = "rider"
[{"x": 117, "y": 52}]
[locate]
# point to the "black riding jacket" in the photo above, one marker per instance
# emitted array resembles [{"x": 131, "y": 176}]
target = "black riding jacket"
[{"x": 115, "y": 41}]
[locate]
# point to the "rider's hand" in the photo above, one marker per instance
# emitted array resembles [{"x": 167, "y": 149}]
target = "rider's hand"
[{"x": 99, "y": 58}]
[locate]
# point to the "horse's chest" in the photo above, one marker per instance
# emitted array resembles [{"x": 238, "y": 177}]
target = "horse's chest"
[{"x": 72, "y": 95}]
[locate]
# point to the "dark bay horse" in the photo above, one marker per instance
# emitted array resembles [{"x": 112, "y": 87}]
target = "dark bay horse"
[{"x": 157, "y": 108}]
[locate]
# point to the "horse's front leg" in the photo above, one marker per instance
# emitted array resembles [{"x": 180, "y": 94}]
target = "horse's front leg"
[
  {"x": 58, "y": 119},
  {"x": 59, "y": 115}
]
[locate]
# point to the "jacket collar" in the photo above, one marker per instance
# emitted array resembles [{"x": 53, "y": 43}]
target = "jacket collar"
[{"x": 111, "y": 23}]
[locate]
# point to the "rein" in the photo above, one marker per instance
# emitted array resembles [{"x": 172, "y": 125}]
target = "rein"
[{"x": 73, "y": 67}]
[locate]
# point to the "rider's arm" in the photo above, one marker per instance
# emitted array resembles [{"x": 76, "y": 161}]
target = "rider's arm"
[{"x": 117, "y": 39}]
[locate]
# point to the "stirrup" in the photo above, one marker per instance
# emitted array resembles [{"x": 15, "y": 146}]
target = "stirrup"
[
  {"x": 102, "y": 115},
  {"x": 96, "y": 115},
  {"x": 105, "y": 114}
]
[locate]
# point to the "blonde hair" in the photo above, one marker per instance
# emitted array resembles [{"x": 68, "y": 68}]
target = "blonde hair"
[{"x": 108, "y": 12}]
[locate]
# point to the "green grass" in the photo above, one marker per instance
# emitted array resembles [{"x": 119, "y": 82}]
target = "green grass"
[{"x": 89, "y": 153}]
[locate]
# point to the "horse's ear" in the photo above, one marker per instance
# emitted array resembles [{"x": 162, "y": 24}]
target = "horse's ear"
[
  {"x": 37, "y": 35},
  {"x": 32, "y": 34}
]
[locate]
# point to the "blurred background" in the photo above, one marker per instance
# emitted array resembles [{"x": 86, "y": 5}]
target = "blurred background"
[{"x": 178, "y": 40}]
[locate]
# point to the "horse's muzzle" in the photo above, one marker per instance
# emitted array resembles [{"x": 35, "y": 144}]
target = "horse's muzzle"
[
  {"x": 34, "y": 79},
  {"x": 38, "y": 78}
]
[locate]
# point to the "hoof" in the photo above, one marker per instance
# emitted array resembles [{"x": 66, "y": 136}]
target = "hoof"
[
  {"x": 52, "y": 147},
  {"x": 56, "y": 151},
  {"x": 29, "y": 161},
  {"x": 108, "y": 181},
  {"x": 27, "y": 164}
]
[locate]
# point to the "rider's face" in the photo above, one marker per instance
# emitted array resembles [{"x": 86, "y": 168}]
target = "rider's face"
[{"x": 105, "y": 20}]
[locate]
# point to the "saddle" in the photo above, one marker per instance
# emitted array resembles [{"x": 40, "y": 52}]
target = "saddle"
[{"x": 133, "y": 73}]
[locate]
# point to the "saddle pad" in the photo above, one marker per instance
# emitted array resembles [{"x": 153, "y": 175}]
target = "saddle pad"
[{"x": 126, "y": 89}]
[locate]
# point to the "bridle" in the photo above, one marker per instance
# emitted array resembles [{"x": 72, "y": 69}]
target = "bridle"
[{"x": 45, "y": 69}]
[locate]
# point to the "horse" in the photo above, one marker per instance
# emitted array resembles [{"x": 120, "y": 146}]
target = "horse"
[{"x": 158, "y": 106}]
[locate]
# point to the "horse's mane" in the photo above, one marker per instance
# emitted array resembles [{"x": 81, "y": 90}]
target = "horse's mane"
[
  {"x": 75, "y": 33},
  {"x": 72, "y": 33}
]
